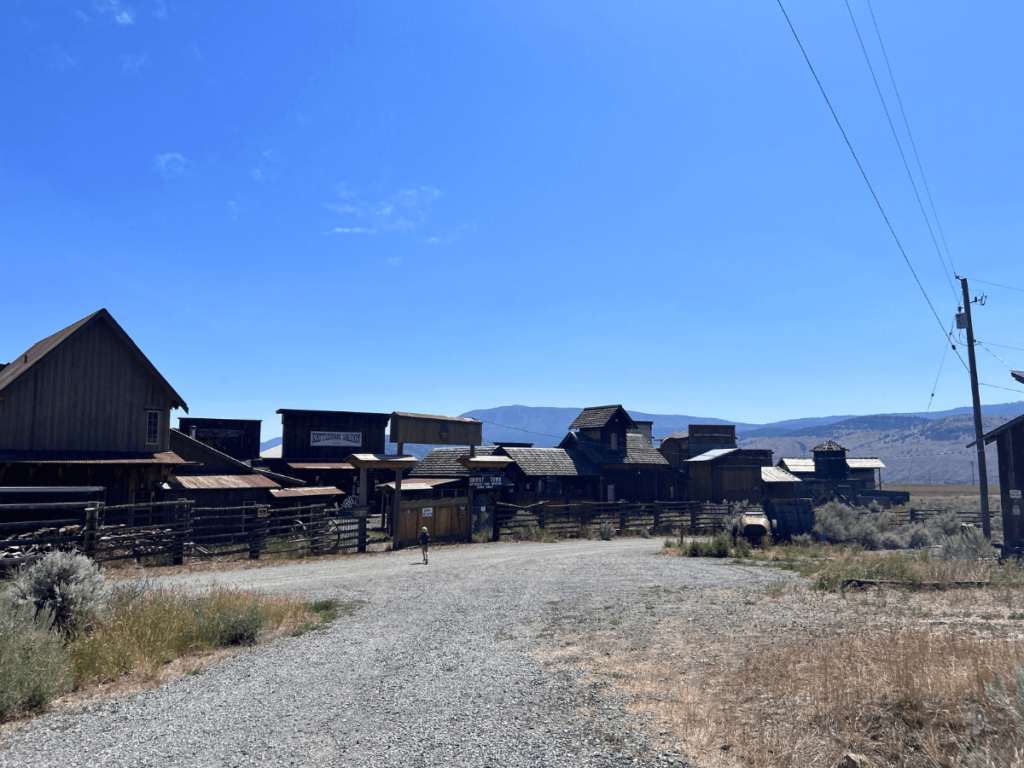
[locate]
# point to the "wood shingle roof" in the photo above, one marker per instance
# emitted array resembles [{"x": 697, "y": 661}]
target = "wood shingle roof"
[
  {"x": 444, "y": 462},
  {"x": 597, "y": 416},
  {"x": 553, "y": 462}
]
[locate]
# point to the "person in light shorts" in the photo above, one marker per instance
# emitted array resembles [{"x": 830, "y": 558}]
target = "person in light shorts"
[{"x": 424, "y": 543}]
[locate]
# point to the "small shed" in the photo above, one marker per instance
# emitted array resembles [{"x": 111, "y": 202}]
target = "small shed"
[
  {"x": 441, "y": 505},
  {"x": 1009, "y": 440},
  {"x": 676, "y": 448}
]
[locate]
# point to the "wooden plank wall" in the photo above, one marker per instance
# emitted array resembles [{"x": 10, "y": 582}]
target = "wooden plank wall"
[{"x": 88, "y": 394}]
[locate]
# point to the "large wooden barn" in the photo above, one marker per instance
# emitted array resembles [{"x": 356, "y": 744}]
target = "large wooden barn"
[
  {"x": 85, "y": 407},
  {"x": 1009, "y": 440}
]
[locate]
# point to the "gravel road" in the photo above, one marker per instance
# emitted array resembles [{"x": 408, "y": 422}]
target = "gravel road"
[{"x": 434, "y": 670}]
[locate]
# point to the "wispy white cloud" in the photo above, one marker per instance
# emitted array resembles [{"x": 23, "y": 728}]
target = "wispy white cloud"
[
  {"x": 161, "y": 10},
  {"x": 257, "y": 174},
  {"x": 170, "y": 164},
  {"x": 394, "y": 261},
  {"x": 351, "y": 231},
  {"x": 406, "y": 209},
  {"x": 122, "y": 15},
  {"x": 134, "y": 64},
  {"x": 56, "y": 58},
  {"x": 82, "y": 15},
  {"x": 234, "y": 209},
  {"x": 450, "y": 238}
]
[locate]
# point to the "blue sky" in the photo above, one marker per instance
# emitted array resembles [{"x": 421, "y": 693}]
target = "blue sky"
[{"x": 444, "y": 206}]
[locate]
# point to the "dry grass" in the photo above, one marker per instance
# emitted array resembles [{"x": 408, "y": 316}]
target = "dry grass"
[
  {"x": 150, "y": 630},
  {"x": 899, "y": 677}
]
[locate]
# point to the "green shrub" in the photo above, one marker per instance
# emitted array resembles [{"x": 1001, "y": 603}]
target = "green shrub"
[
  {"x": 696, "y": 549},
  {"x": 69, "y": 586},
  {"x": 803, "y": 540},
  {"x": 34, "y": 665},
  {"x": 969, "y": 545},
  {"x": 231, "y": 626},
  {"x": 742, "y": 548},
  {"x": 719, "y": 546},
  {"x": 606, "y": 531},
  {"x": 586, "y": 532}
]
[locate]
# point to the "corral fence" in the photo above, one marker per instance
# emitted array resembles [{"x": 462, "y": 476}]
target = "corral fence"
[
  {"x": 175, "y": 530},
  {"x": 567, "y": 520}
]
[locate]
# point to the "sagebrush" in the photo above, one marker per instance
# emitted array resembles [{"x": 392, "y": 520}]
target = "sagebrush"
[
  {"x": 68, "y": 585},
  {"x": 34, "y": 665}
]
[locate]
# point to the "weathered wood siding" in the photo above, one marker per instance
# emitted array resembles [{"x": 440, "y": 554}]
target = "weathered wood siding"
[
  {"x": 88, "y": 394},
  {"x": 296, "y": 427}
]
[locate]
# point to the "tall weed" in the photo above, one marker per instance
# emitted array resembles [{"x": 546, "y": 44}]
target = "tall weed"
[{"x": 33, "y": 662}]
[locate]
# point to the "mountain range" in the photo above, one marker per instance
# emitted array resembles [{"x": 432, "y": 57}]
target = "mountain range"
[{"x": 916, "y": 447}]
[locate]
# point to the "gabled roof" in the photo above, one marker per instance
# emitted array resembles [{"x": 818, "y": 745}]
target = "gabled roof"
[
  {"x": 444, "y": 462},
  {"x": 597, "y": 416},
  {"x": 803, "y": 466},
  {"x": 554, "y": 462},
  {"x": 195, "y": 451},
  {"x": 10, "y": 373},
  {"x": 638, "y": 450},
  {"x": 866, "y": 463}
]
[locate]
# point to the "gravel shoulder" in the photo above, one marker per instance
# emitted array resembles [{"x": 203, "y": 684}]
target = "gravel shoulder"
[{"x": 436, "y": 668}]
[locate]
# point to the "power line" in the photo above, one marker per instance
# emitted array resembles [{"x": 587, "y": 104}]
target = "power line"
[
  {"x": 998, "y": 285},
  {"x": 1004, "y": 346},
  {"x": 997, "y": 357},
  {"x": 910, "y": 134},
  {"x": 520, "y": 429},
  {"x": 863, "y": 174},
  {"x": 899, "y": 146}
]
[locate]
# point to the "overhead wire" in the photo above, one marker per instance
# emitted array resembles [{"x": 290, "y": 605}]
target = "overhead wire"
[
  {"x": 864, "y": 175},
  {"x": 899, "y": 145},
  {"x": 910, "y": 134},
  {"x": 998, "y": 285}
]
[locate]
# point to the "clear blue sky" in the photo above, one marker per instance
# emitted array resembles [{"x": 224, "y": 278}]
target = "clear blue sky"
[{"x": 445, "y": 206}]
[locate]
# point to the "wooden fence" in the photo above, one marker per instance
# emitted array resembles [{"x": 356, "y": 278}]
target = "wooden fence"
[
  {"x": 175, "y": 530},
  {"x": 566, "y": 521}
]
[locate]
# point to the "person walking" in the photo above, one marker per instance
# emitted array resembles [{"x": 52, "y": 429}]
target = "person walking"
[{"x": 424, "y": 543}]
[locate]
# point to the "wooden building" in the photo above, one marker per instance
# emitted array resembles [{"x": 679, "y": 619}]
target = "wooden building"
[
  {"x": 85, "y": 407},
  {"x": 441, "y": 505},
  {"x": 727, "y": 474},
  {"x": 676, "y": 448},
  {"x": 215, "y": 479},
  {"x": 680, "y": 447},
  {"x": 1009, "y": 440},
  {"x": 558, "y": 475},
  {"x": 777, "y": 483},
  {"x": 239, "y": 438},
  {"x": 315, "y": 446},
  {"x": 632, "y": 469}
]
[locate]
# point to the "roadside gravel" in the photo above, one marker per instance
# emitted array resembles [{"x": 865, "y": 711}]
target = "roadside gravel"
[{"x": 434, "y": 669}]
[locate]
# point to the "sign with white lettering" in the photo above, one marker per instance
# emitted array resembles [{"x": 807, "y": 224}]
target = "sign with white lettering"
[
  {"x": 335, "y": 439},
  {"x": 1014, "y": 494},
  {"x": 479, "y": 482},
  {"x": 1016, "y": 511},
  {"x": 428, "y": 512}
]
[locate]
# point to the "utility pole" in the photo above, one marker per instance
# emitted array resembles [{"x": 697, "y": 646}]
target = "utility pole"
[{"x": 978, "y": 431}]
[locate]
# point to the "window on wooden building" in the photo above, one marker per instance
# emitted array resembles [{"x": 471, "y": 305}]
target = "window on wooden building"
[
  {"x": 152, "y": 426},
  {"x": 615, "y": 441}
]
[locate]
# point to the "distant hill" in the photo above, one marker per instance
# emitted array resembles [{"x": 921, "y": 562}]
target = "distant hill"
[
  {"x": 916, "y": 447},
  {"x": 270, "y": 443}
]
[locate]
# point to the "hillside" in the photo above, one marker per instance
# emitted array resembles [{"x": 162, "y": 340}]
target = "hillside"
[{"x": 922, "y": 451}]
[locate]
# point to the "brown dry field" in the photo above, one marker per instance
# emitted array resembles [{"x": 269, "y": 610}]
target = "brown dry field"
[
  {"x": 924, "y": 490},
  {"x": 787, "y": 676}
]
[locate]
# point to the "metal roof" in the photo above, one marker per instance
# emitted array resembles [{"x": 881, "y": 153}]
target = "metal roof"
[
  {"x": 803, "y": 466},
  {"x": 778, "y": 475},
  {"x": 290, "y": 493},
  {"x": 420, "y": 483},
  {"x": 380, "y": 460},
  {"x": 87, "y": 457},
  {"x": 41, "y": 349},
  {"x": 597, "y": 416},
  {"x": 436, "y": 418},
  {"x": 870, "y": 463},
  {"x": 714, "y": 454},
  {"x": 320, "y": 465},
  {"x": 300, "y": 411},
  {"x": 274, "y": 452},
  {"x": 211, "y": 482}
]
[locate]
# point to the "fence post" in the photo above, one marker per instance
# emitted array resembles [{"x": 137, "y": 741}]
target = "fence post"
[
  {"x": 91, "y": 523},
  {"x": 693, "y": 516},
  {"x": 182, "y": 521},
  {"x": 623, "y": 518},
  {"x": 657, "y": 516},
  {"x": 542, "y": 516},
  {"x": 258, "y": 532},
  {"x": 361, "y": 543}
]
